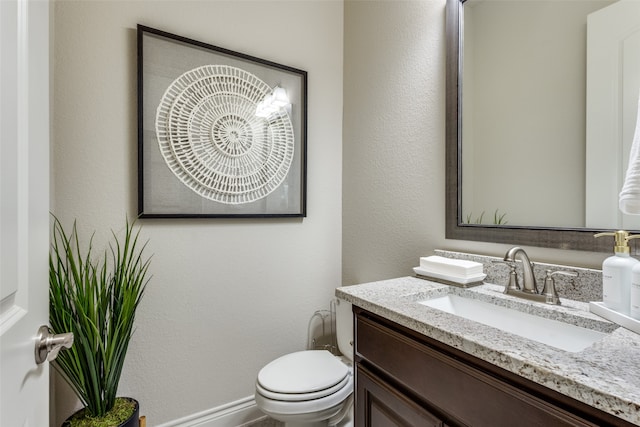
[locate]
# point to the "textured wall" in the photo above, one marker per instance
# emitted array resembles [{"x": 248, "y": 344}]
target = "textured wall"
[
  {"x": 226, "y": 296},
  {"x": 393, "y": 190}
]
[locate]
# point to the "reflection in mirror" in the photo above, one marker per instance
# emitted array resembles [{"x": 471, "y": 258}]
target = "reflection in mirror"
[
  {"x": 523, "y": 128},
  {"x": 525, "y": 122}
]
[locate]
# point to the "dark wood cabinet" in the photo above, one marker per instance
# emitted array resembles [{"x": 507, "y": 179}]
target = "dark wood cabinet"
[
  {"x": 404, "y": 378},
  {"x": 382, "y": 405}
]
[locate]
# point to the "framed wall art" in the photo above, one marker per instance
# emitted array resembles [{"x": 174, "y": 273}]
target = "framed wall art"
[{"x": 220, "y": 133}]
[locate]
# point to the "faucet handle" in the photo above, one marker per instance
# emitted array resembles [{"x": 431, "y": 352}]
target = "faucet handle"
[
  {"x": 513, "y": 284},
  {"x": 570, "y": 273},
  {"x": 549, "y": 290}
]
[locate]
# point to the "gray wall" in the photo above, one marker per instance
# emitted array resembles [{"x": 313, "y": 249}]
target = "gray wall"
[
  {"x": 393, "y": 154},
  {"x": 226, "y": 296}
]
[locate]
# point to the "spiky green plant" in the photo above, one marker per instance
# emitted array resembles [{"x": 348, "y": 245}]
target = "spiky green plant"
[
  {"x": 478, "y": 219},
  {"x": 499, "y": 219},
  {"x": 96, "y": 298}
]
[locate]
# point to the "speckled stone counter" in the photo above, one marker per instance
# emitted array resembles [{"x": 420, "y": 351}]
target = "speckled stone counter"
[{"x": 605, "y": 375}]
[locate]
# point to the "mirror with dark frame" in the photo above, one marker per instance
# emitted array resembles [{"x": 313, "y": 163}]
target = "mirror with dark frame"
[{"x": 462, "y": 225}]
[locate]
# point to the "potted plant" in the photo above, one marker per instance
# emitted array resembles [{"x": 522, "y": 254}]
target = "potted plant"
[{"x": 96, "y": 298}]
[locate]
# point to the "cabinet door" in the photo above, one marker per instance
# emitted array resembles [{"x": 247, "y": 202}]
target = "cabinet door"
[
  {"x": 457, "y": 389},
  {"x": 378, "y": 404}
]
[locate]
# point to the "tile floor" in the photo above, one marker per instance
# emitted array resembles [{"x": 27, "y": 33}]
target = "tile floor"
[{"x": 263, "y": 422}]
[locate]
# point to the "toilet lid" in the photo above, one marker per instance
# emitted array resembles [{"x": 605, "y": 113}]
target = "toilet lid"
[
  {"x": 299, "y": 397},
  {"x": 303, "y": 372}
]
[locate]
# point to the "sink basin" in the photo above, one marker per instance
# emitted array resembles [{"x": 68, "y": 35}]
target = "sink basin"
[{"x": 557, "y": 334}]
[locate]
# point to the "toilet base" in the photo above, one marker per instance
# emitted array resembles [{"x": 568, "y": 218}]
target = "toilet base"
[
  {"x": 347, "y": 421},
  {"x": 316, "y": 424}
]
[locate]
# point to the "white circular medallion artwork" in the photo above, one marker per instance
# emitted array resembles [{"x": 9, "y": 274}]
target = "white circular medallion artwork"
[{"x": 212, "y": 140}]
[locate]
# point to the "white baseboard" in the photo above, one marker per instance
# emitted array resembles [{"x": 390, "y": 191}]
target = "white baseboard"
[{"x": 229, "y": 415}]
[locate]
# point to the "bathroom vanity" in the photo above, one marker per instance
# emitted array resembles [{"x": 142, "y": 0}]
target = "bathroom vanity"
[{"x": 421, "y": 366}]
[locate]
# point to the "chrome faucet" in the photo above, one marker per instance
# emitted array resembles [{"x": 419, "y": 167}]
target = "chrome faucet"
[{"x": 529, "y": 280}]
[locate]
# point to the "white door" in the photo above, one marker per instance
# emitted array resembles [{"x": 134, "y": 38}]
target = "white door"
[{"x": 24, "y": 209}]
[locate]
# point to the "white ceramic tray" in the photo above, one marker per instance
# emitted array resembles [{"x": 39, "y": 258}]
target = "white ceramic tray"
[
  {"x": 448, "y": 279},
  {"x": 623, "y": 320}
]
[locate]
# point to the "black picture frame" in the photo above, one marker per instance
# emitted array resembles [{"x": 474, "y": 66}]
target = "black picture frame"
[{"x": 202, "y": 150}]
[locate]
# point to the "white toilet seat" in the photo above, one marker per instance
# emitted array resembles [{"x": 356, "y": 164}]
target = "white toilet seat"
[
  {"x": 303, "y": 372},
  {"x": 305, "y": 382},
  {"x": 296, "y": 397},
  {"x": 326, "y": 406}
]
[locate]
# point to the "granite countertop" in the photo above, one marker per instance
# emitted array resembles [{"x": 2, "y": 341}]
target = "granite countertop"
[{"x": 605, "y": 375}]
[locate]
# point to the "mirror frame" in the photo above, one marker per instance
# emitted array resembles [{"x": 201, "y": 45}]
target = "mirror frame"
[{"x": 550, "y": 237}]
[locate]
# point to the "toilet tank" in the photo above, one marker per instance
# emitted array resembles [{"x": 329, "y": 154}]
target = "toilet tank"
[{"x": 344, "y": 328}]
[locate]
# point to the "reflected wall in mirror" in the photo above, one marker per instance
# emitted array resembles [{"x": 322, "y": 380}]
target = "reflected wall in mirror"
[{"x": 521, "y": 136}]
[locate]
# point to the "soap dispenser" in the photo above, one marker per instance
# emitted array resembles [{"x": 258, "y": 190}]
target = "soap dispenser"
[
  {"x": 617, "y": 273},
  {"x": 634, "y": 293}
]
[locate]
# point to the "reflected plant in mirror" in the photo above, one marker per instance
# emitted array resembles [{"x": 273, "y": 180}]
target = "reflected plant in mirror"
[
  {"x": 498, "y": 218},
  {"x": 537, "y": 121}
]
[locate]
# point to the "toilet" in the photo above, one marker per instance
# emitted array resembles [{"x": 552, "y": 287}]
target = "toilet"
[{"x": 312, "y": 388}]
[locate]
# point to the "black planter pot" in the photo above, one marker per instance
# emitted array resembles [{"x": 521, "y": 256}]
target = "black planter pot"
[{"x": 132, "y": 421}]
